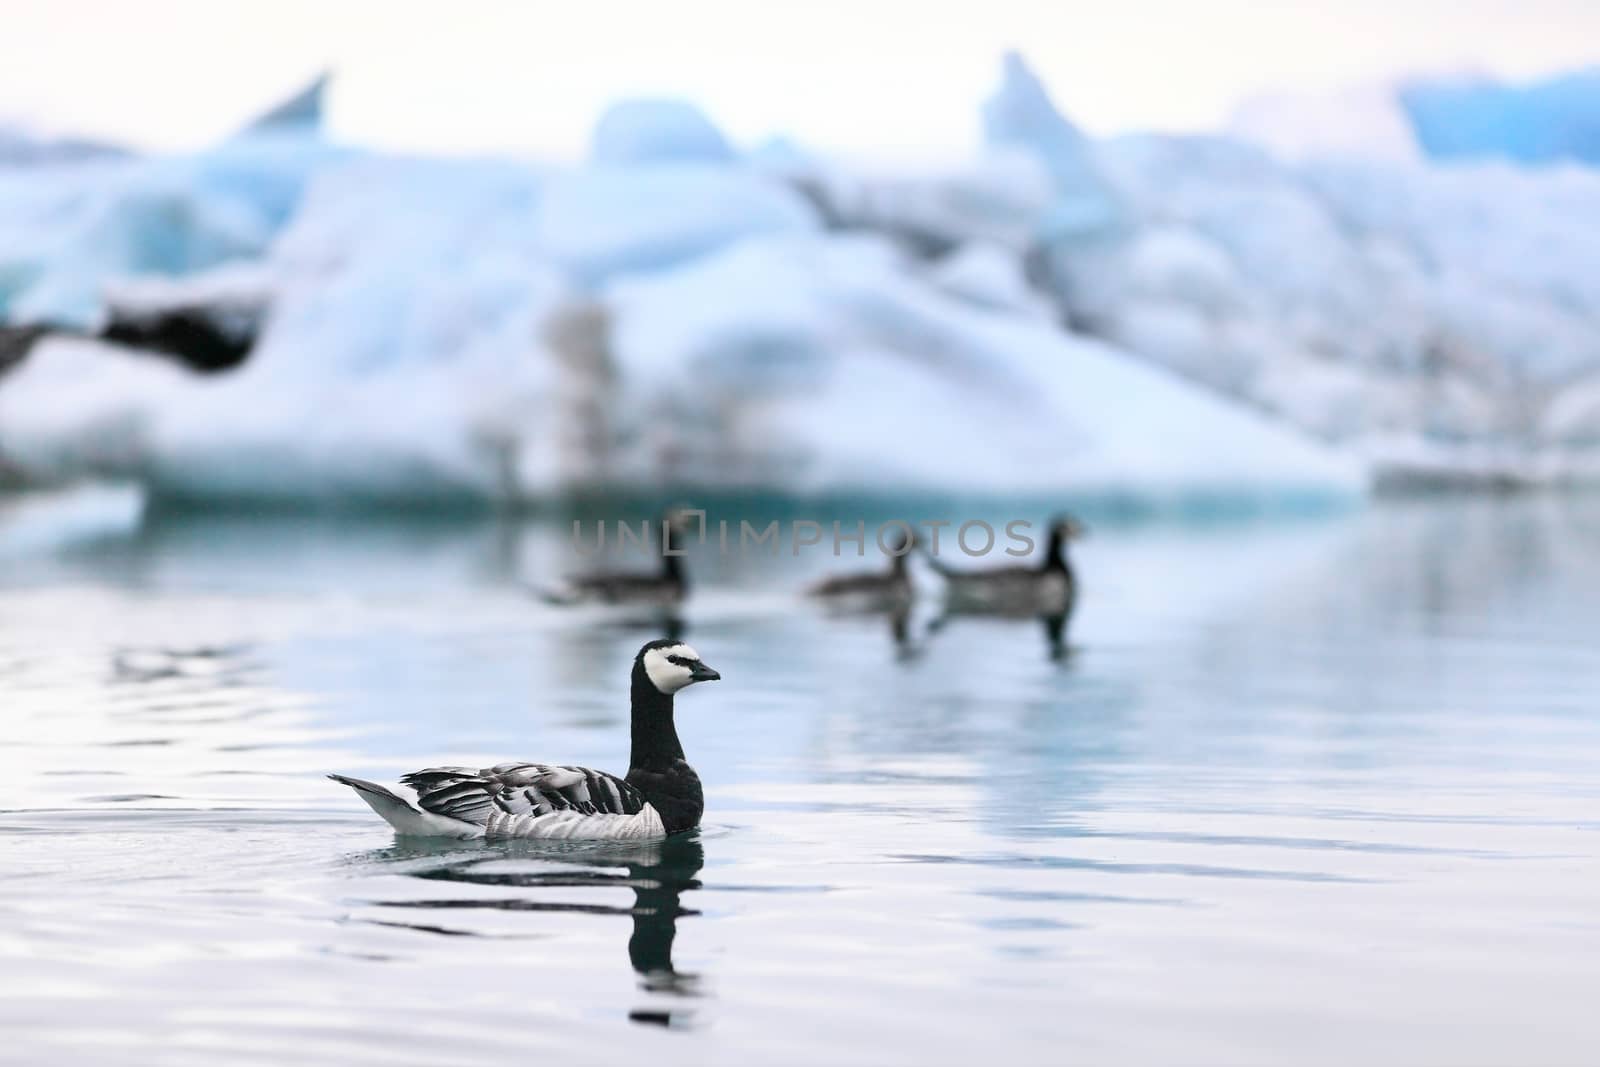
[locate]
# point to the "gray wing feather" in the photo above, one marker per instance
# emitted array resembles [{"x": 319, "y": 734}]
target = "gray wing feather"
[{"x": 521, "y": 789}]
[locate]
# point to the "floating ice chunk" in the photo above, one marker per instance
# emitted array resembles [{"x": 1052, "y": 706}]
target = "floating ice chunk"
[
  {"x": 1182, "y": 264},
  {"x": 1364, "y": 301},
  {"x": 997, "y": 199},
  {"x": 68, "y": 232},
  {"x": 423, "y": 434},
  {"x": 300, "y": 113},
  {"x": 609, "y": 220},
  {"x": 776, "y": 359},
  {"x": 396, "y": 362},
  {"x": 34, "y": 524},
  {"x": 383, "y": 375},
  {"x": 782, "y": 155},
  {"x": 657, "y": 130},
  {"x": 77, "y": 409},
  {"x": 21, "y": 148},
  {"x": 989, "y": 276},
  {"x": 1450, "y": 119},
  {"x": 1546, "y": 121},
  {"x": 1021, "y": 115}
]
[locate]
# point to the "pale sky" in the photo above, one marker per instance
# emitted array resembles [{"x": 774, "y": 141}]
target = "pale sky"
[{"x": 867, "y": 77}]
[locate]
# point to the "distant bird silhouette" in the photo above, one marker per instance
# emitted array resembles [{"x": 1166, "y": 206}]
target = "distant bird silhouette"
[
  {"x": 1046, "y": 590},
  {"x": 871, "y": 591},
  {"x": 1047, "y": 587},
  {"x": 664, "y": 588}
]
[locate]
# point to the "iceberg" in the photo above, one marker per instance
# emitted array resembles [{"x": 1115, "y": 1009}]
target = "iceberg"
[
  {"x": 765, "y": 364},
  {"x": 633, "y": 132},
  {"x": 401, "y": 353},
  {"x": 22, "y": 148},
  {"x": 1547, "y": 121},
  {"x": 777, "y": 360},
  {"x": 298, "y": 114},
  {"x": 988, "y": 275},
  {"x": 1364, "y": 301},
  {"x": 601, "y": 221},
  {"x": 998, "y": 199},
  {"x": 41, "y": 524},
  {"x": 1452, "y": 119},
  {"x": 438, "y": 319},
  {"x": 420, "y": 287},
  {"x": 1020, "y": 115},
  {"x": 1147, "y": 317},
  {"x": 70, "y": 229}
]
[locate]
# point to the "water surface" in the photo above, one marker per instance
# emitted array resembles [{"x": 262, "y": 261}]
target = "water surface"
[{"x": 1315, "y": 791}]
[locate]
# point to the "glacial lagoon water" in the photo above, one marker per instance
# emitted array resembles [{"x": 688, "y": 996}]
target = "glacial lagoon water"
[{"x": 1301, "y": 790}]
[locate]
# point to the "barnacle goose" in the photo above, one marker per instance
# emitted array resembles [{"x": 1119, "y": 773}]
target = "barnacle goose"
[
  {"x": 660, "y": 795},
  {"x": 664, "y": 588},
  {"x": 1048, "y": 587},
  {"x": 885, "y": 590}
]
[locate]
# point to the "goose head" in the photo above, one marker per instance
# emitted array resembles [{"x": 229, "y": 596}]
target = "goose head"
[
  {"x": 676, "y": 524},
  {"x": 1068, "y": 528},
  {"x": 681, "y": 519},
  {"x": 671, "y": 665},
  {"x": 901, "y": 545}
]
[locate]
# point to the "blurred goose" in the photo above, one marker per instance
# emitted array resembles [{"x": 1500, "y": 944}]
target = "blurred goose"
[
  {"x": 663, "y": 588},
  {"x": 872, "y": 590},
  {"x": 659, "y": 796},
  {"x": 1048, "y": 587}
]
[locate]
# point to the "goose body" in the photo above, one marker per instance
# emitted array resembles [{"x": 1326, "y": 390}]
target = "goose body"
[
  {"x": 666, "y": 588},
  {"x": 1049, "y": 587},
  {"x": 663, "y": 588},
  {"x": 660, "y": 795},
  {"x": 872, "y": 590}
]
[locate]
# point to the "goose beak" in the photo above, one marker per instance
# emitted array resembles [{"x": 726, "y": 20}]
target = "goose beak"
[{"x": 701, "y": 673}]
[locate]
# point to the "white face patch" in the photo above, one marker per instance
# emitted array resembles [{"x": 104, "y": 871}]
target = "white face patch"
[{"x": 665, "y": 675}]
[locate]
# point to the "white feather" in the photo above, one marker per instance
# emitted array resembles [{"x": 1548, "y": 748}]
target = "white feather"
[
  {"x": 665, "y": 675},
  {"x": 576, "y": 826},
  {"x": 564, "y": 825}
]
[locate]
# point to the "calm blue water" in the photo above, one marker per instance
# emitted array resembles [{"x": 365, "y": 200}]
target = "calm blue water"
[{"x": 1304, "y": 791}]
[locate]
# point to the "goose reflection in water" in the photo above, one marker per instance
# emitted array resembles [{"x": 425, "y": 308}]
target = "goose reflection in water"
[
  {"x": 1054, "y": 626},
  {"x": 658, "y": 872}
]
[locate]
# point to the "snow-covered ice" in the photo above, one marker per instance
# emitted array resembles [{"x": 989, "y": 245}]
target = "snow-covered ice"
[
  {"x": 69, "y": 229},
  {"x": 657, "y": 130},
  {"x": 827, "y": 363},
  {"x": 601, "y": 221},
  {"x": 1477, "y": 117},
  {"x": 1451, "y": 118},
  {"x": 1021, "y": 116},
  {"x": 1148, "y": 317}
]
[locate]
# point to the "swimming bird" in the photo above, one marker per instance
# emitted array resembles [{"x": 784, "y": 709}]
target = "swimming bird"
[
  {"x": 870, "y": 591},
  {"x": 1048, "y": 587},
  {"x": 660, "y": 795},
  {"x": 664, "y": 588}
]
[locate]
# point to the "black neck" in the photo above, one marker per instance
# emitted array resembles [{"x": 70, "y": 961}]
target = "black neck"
[
  {"x": 671, "y": 563},
  {"x": 671, "y": 566},
  {"x": 1055, "y": 554},
  {"x": 897, "y": 564},
  {"x": 655, "y": 736}
]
